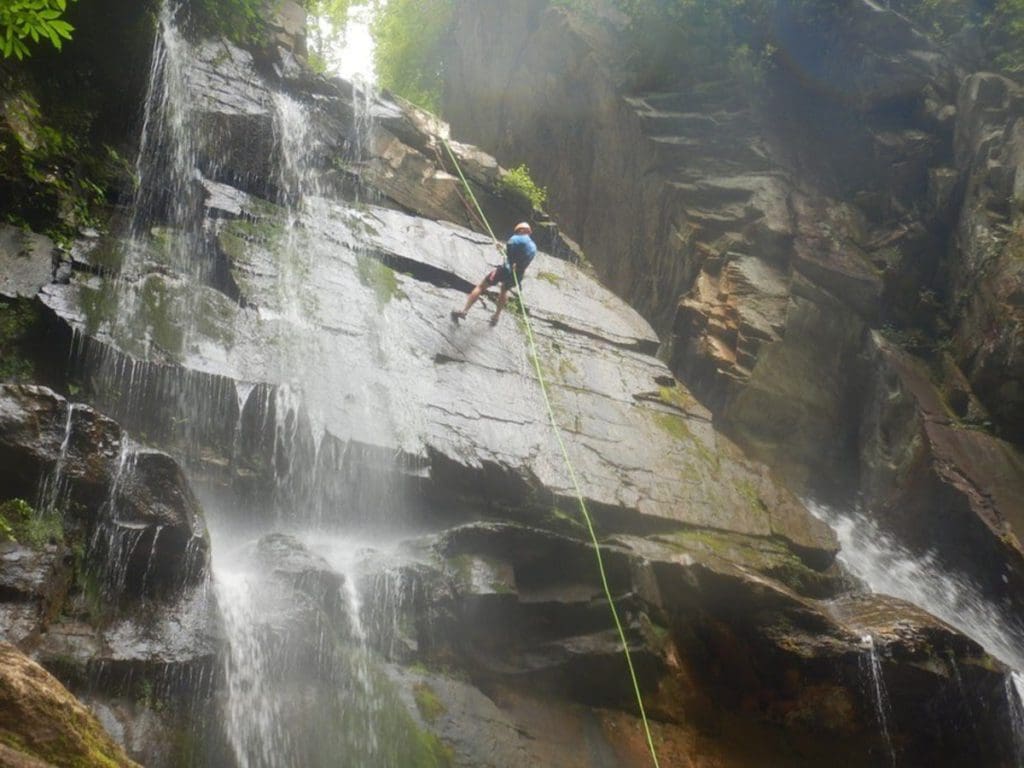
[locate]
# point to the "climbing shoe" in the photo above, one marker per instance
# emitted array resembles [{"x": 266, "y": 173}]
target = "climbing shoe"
[{"x": 457, "y": 315}]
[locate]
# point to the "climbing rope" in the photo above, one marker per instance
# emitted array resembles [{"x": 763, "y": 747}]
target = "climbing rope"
[{"x": 569, "y": 465}]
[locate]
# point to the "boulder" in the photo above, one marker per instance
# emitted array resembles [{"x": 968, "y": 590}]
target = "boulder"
[
  {"x": 26, "y": 262},
  {"x": 34, "y": 584},
  {"x": 43, "y": 724},
  {"x": 134, "y": 507}
]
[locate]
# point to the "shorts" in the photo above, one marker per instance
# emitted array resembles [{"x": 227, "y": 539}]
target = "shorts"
[{"x": 501, "y": 274}]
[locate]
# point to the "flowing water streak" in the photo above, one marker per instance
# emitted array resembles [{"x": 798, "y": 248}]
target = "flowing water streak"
[
  {"x": 1015, "y": 703},
  {"x": 54, "y": 490},
  {"x": 364, "y": 94},
  {"x": 242, "y": 391},
  {"x": 888, "y": 568},
  {"x": 882, "y": 709},
  {"x": 117, "y": 539},
  {"x": 254, "y": 712},
  {"x": 166, "y": 163}
]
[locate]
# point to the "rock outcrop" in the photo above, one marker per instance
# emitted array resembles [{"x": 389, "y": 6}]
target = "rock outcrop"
[
  {"x": 108, "y": 587},
  {"x": 43, "y": 724},
  {"x": 988, "y": 277},
  {"x": 277, "y": 317},
  {"x": 867, "y": 186}
]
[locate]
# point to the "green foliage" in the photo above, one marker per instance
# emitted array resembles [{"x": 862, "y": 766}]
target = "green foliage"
[
  {"x": 938, "y": 18},
  {"x": 1005, "y": 27},
  {"x": 410, "y": 41},
  {"x": 35, "y": 19},
  {"x": 326, "y": 28},
  {"x": 672, "y": 40},
  {"x": 55, "y": 185},
  {"x": 21, "y": 523},
  {"x": 18, "y": 321},
  {"x": 241, "y": 21},
  {"x": 517, "y": 182}
]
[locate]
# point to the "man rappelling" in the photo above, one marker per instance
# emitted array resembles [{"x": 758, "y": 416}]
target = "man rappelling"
[{"x": 519, "y": 252}]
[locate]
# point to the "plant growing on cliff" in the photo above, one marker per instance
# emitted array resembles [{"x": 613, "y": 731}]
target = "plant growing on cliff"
[
  {"x": 517, "y": 182},
  {"x": 35, "y": 19},
  {"x": 1006, "y": 34},
  {"x": 53, "y": 185},
  {"x": 17, "y": 322},
  {"x": 21, "y": 523},
  {"x": 241, "y": 21}
]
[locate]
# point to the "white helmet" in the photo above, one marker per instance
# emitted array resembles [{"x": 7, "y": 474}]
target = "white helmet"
[{"x": 522, "y": 226}]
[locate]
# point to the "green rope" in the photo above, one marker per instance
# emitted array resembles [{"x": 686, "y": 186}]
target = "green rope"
[{"x": 572, "y": 471}]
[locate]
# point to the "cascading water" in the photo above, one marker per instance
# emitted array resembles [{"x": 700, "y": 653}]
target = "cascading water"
[
  {"x": 888, "y": 568},
  {"x": 53, "y": 493},
  {"x": 116, "y": 539},
  {"x": 1015, "y": 703},
  {"x": 881, "y": 698},
  {"x": 305, "y": 680}
]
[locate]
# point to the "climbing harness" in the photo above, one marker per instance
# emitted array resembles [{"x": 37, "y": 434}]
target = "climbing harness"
[{"x": 568, "y": 463}]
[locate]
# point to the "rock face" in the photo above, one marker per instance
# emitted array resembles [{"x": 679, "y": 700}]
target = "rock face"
[
  {"x": 988, "y": 278},
  {"x": 921, "y": 463},
  {"x": 43, "y": 724},
  {"x": 132, "y": 503},
  {"x": 278, "y": 317},
  {"x": 867, "y": 186},
  {"x": 113, "y": 599}
]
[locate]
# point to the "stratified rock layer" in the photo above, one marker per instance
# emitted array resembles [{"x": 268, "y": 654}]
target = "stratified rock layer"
[
  {"x": 293, "y": 342},
  {"x": 867, "y": 186}
]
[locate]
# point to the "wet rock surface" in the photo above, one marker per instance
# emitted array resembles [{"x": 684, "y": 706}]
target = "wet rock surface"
[
  {"x": 113, "y": 599},
  {"x": 382, "y": 271},
  {"x": 26, "y": 262},
  {"x": 133, "y": 504},
  {"x": 864, "y": 187},
  {"x": 921, "y": 461},
  {"x": 288, "y": 336},
  {"x": 989, "y": 280}
]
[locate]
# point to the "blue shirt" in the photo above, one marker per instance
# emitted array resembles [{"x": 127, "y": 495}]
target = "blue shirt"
[{"x": 519, "y": 252}]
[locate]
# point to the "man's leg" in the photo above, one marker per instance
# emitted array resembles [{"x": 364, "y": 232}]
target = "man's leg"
[
  {"x": 473, "y": 296},
  {"x": 502, "y": 299}
]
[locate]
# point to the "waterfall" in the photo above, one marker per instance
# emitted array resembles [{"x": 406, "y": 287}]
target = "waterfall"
[
  {"x": 311, "y": 614},
  {"x": 1015, "y": 703},
  {"x": 878, "y": 693},
  {"x": 888, "y": 568},
  {"x": 165, "y": 167},
  {"x": 255, "y": 725},
  {"x": 54, "y": 488}
]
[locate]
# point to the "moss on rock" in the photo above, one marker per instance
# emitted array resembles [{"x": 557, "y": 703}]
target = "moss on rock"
[
  {"x": 40, "y": 718},
  {"x": 378, "y": 277}
]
